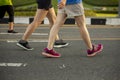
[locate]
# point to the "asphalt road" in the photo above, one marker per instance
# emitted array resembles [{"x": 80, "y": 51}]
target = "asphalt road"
[{"x": 18, "y": 64}]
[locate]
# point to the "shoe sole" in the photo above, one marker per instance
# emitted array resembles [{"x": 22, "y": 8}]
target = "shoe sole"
[
  {"x": 61, "y": 46},
  {"x": 23, "y": 47},
  {"x": 98, "y": 52},
  {"x": 49, "y": 56}
]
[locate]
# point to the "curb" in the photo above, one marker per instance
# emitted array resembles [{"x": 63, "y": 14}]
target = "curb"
[{"x": 89, "y": 21}]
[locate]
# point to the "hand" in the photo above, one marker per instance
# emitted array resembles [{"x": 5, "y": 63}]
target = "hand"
[{"x": 61, "y": 4}]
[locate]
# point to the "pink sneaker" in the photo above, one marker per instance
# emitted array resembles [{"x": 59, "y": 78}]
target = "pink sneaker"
[
  {"x": 96, "y": 49},
  {"x": 50, "y": 53}
]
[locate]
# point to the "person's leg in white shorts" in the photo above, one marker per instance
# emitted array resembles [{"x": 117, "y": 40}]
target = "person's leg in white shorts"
[
  {"x": 61, "y": 17},
  {"x": 52, "y": 18}
]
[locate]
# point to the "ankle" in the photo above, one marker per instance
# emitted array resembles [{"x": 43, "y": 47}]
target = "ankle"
[
  {"x": 91, "y": 48},
  {"x": 49, "y": 48}
]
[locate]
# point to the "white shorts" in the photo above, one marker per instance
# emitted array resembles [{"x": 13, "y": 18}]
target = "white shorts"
[{"x": 72, "y": 10}]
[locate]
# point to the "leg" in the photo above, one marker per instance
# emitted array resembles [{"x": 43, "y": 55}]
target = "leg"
[
  {"x": 2, "y": 11},
  {"x": 52, "y": 18},
  {"x": 11, "y": 24},
  {"x": 55, "y": 29},
  {"x": 80, "y": 20},
  {"x": 10, "y": 12},
  {"x": 40, "y": 15},
  {"x": 49, "y": 52},
  {"x": 92, "y": 49}
]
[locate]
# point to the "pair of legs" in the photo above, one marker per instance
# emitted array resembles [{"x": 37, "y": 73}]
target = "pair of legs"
[
  {"x": 9, "y": 9},
  {"x": 39, "y": 17},
  {"x": 92, "y": 50},
  {"x": 80, "y": 20},
  {"x": 77, "y": 11}
]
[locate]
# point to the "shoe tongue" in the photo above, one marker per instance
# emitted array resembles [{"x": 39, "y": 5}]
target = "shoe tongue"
[
  {"x": 23, "y": 41},
  {"x": 10, "y": 30},
  {"x": 48, "y": 49},
  {"x": 58, "y": 41}
]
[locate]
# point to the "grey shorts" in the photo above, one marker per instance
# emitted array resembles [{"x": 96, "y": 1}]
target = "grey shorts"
[{"x": 72, "y": 10}]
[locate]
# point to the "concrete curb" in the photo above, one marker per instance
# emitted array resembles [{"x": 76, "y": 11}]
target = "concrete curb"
[{"x": 89, "y": 21}]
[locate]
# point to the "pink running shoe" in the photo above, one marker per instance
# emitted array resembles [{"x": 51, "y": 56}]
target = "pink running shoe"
[
  {"x": 50, "y": 53},
  {"x": 96, "y": 49}
]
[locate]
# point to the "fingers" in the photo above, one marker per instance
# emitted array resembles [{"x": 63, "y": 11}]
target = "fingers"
[{"x": 61, "y": 5}]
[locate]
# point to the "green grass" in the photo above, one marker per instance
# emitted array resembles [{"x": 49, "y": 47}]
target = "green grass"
[
  {"x": 93, "y": 2},
  {"x": 23, "y": 2},
  {"x": 106, "y": 15},
  {"x": 102, "y": 2},
  {"x": 28, "y": 8}
]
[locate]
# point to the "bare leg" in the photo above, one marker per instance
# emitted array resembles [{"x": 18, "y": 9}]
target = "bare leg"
[
  {"x": 52, "y": 18},
  {"x": 83, "y": 30},
  {"x": 11, "y": 28},
  {"x": 40, "y": 15},
  {"x": 11, "y": 25},
  {"x": 54, "y": 30}
]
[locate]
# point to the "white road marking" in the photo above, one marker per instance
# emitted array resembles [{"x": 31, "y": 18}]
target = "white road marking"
[
  {"x": 45, "y": 40},
  {"x": 13, "y": 41},
  {"x": 44, "y": 34},
  {"x": 13, "y": 64},
  {"x": 62, "y": 66}
]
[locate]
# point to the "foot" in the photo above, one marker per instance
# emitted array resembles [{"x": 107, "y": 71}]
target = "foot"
[
  {"x": 50, "y": 53},
  {"x": 60, "y": 43},
  {"x": 24, "y": 44},
  {"x": 12, "y": 31},
  {"x": 96, "y": 49}
]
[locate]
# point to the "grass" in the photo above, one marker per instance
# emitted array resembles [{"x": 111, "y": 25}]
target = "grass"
[
  {"x": 18, "y": 3},
  {"x": 106, "y": 15},
  {"x": 102, "y": 2},
  {"x": 28, "y": 8}
]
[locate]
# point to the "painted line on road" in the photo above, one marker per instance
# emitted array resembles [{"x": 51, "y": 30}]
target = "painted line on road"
[
  {"x": 13, "y": 64},
  {"x": 105, "y": 39},
  {"x": 44, "y": 34},
  {"x": 45, "y": 40},
  {"x": 13, "y": 41},
  {"x": 97, "y": 39}
]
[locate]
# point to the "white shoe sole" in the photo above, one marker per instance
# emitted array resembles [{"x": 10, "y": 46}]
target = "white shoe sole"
[
  {"x": 61, "y": 46},
  {"x": 49, "y": 56},
  {"x": 23, "y": 47}
]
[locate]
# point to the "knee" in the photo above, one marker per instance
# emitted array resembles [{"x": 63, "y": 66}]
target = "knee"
[
  {"x": 51, "y": 24},
  {"x": 36, "y": 22}
]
